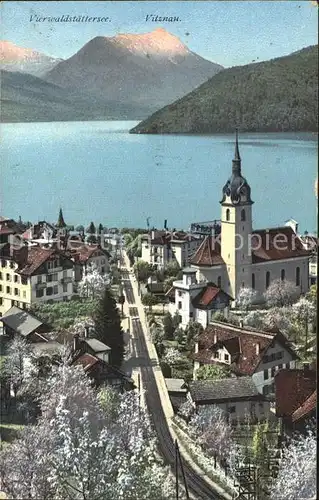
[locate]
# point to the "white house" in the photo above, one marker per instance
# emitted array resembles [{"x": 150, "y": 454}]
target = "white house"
[
  {"x": 247, "y": 352},
  {"x": 196, "y": 301}
]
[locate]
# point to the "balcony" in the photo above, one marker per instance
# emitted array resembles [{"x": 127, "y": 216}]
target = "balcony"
[
  {"x": 66, "y": 280},
  {"x": 55, "y": 270}
]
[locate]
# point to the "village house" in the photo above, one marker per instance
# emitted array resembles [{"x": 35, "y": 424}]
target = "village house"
[
  {"x": 161, "y": 247},
  {"x": 296, "y": 398},
  {"x": 246, "y": 352},
  {"x": 238, "y": 398},
  {"x": 196, "y": 301},
  {"x": 243, "y": 257},
  {"x": 17, "y": 321},
  {"x": 87, "y": 255},
  {"x": 177, "y": 391},
  {"x": 34, "y": 274}
]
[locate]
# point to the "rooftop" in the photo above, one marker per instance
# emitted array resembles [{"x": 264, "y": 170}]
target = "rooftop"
[
  {"x": 292, "y": 388},
  {"x": 20, "y": 321},
  {"x": 175, "y": 385},
  {"x": 228, "y": 389}
]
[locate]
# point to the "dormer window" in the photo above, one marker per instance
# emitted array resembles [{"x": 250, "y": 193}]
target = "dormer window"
[
  {"x": 216, "y": 355},
  {"x": 226, "y": 357}
]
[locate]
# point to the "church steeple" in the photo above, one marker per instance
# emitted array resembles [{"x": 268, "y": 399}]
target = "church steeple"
[
  {"x": 60, "y": 223},
  {"x": 237, "y": 160},
  {"x": 237, "y": 188}
]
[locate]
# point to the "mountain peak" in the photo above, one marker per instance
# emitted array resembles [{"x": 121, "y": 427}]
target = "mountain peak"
[{"x": 157, "y": 42}]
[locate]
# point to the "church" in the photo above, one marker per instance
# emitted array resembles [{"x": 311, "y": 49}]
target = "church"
[{"x": 243, "y": 257}]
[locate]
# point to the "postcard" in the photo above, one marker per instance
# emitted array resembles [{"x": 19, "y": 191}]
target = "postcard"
[{"x": 158, "y": 225}]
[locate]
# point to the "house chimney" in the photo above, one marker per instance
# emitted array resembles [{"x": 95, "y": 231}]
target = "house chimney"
[
  {"x": 257, "y": 348},
  {"x": 153, "y": 234},
  {"x": 215, "y": 338},
  {"x": 76, "y": 342}
]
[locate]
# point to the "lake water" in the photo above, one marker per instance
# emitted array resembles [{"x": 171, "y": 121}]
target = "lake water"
[{"x": 98, "y": 171}]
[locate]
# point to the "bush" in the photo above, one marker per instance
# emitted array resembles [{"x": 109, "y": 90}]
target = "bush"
[{"x": 166, "y": 369}]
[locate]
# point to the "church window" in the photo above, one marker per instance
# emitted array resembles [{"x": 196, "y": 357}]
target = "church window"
[
  {"x": 253, "y": 281},
  {"x": 227, "y": 214},
  {"x": 298, "y": 276},
  {"x": 282, "y": 275},
  {"x": 219, "y": 281},
  {"x": 243, "y": 215},
  {"x": 267, "y": 279}
]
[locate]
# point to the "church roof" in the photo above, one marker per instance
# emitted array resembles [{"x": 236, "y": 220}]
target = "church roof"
[
  {"x": 276, "y": 244},
  {"x": 208, "y": 253},
  {"x": 273, "y": 244},
  {"x": 60, "y": 222}
]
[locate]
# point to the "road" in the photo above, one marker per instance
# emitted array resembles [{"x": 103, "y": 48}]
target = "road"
[{"x": 196, "y": 484}]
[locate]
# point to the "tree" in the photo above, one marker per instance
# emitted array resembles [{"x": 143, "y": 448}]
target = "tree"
[
  {"x": 312, "y": 295},
  {"x": 142, "y": 270},
  {"x": 149, "y": 299},
  {"x": 107, "y": 324},
  {"x": 91, "y": 229},
  {"x": 212, "y": 431},
  {"x": 254, "y": 319},
  {"x": 192, "y": 331},
  {"x": 173, "y": 357},
  {"x": 168, "y": 326},
  {"x": 172, "y": 268},
  {"x": 176, "y": 320},
  {"x": 93, "y": 283},
  {"x": 100, "y": 229},
  {"x": 245, "y": 298},
  {"x": 84, "y": 447},
  {"x": 80, "y": 229},
  {"x": 14, "y": 366},
  {"x": 298, "y": 469},
  {"x": 212, "y": 372},
  {"x": 280, "y": 319},
  {"x": 280, "y": 293}
]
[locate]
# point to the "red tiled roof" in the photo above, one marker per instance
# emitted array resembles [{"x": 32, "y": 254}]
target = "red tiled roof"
[
  {"x": 306, "y": 408},
  {"x": 236, "y": 339},
  {"x": 86, "y": 360},
  {"x": 207, "y": 295},
  {"x": 292, "y": 388},
  {"x": 275, "y": 244},
  {"x": 30, "y": 259},
  {"x": 208, "y": 253},
  {"x": 85, "y": 252}
]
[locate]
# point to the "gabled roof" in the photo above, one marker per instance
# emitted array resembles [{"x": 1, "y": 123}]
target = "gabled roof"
[
  {"x": 251, "y": 344},
  {"x": 208, "y": 295},
  {"x": 208, "y": 253},
  {"x": 292, "y": 388},
  {"x": 276, "y": 244},
  {"x": 96, "y": 345},
  {"x": 175, "y": 385},
  {"x": 88, "y": 361},
  {"x": 307, "y": 408},
  {"x": 86, "y": 252},
  {"x": 31, "y": 258},
  {"x": 21, "y": 321},
  {"x": 228, "y": 389}
]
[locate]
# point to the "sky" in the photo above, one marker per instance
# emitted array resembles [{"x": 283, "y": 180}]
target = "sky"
[{"x": 230, "y": 33}]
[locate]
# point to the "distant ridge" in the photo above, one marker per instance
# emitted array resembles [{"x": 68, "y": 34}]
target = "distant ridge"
[
  {"x": 15, "y": 58},
  {"x": 270, "y": 96}
]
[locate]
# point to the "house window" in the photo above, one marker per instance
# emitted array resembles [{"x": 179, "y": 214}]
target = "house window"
[
  {"x": 282, "y": 275},
  {"x": 16, "y": 291},
  {"x": 179, "y": 294},
  {"x": 1, "y": 276},
  {"x": 179, "y": 305},
  {"x": 273, "y": 371},
  {"x": 65, "y": 274},
  {"x": 24, "y": 280},
  {"x": 253, "y": 284},
  {"x": 39, "y": 279},
  {"x": 55, "y": 289},
  {"x": 1, "y": 301},
  {"x": 287, "y": 365},
  {"x": 232, "y": 409},
  {"x": 11, "y": 265},
  {"x": 216, "y": 355},
  {"x": 50, "y": 290},
  {"x": 8, "y": 277},
  {"x": 39, "y": 293},
  {"x": 266, "y": 374},
  {"x": 267, "y": 279},
  {"x": 227, "y": 214},
  {"x": 243, "y": 215},
  {"x": 279, "y": 355},
  {"x": 0, "y": 288},
  {"x": 191, "y": 314},
  {"x": 8, "y": 289},
  {"x": 280, "y": 366},
  {"x": 226, "y": 357},
  {"x": 298, "y": 276},
  {"x": 16, "y": 278},
  {"x": 219, "y": 281},
  {"x": 265, "y": 390},
  {"x": 65, "y": 288},
  {"x": 3, "y": 263},
  {"x": 24, "y": 294}
]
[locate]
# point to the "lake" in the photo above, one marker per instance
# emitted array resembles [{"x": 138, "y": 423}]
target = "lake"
[{"x": 98, "y": 171}]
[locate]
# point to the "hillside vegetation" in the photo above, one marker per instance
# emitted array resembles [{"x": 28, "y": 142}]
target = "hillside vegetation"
[{"x": 272, "y": 96}]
